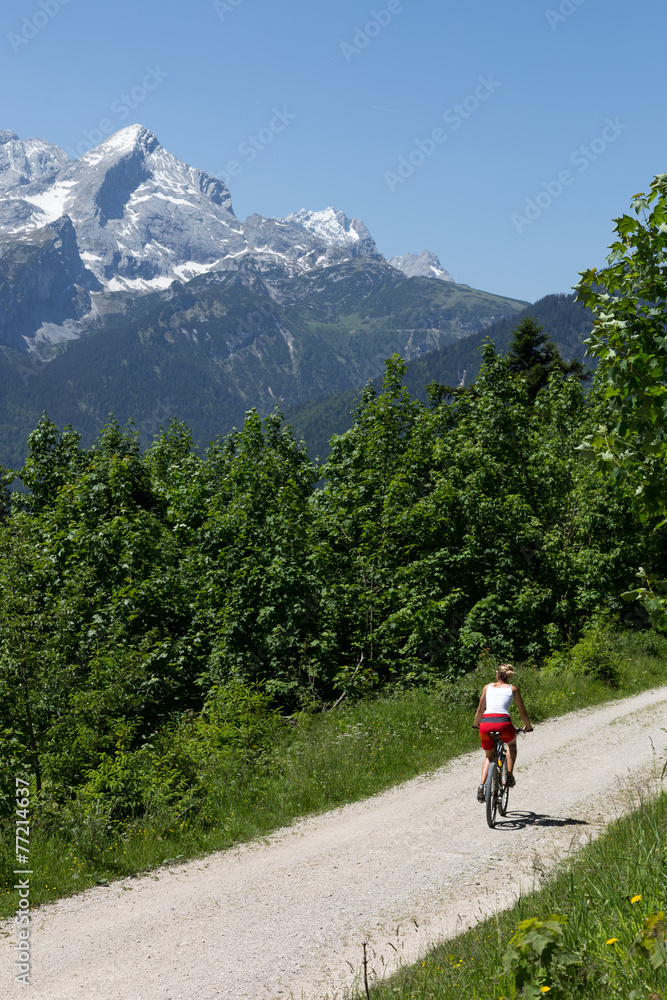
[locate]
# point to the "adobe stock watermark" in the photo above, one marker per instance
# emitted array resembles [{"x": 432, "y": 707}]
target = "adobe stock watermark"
[
  {"x": 256, "y": 320},
  {"x": 363, "y": 35},
  {"x": 121, "y": 109},
  {"x": 22, "y": 918},
  {"x": 253, "y": 145},
  {"x": 31, "y": 366},
  {"x": 152, "y": 424},
  {"x": 225, "y": 7},
  {"x": 580, "y": 158},
  {"x": 454, "y": 117},
  {"x": 565, "y": 9},
  {"x": 31, "y": 26}
]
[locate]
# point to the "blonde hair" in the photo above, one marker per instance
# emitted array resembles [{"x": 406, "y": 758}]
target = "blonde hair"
[{"x": 506, "y": 672}]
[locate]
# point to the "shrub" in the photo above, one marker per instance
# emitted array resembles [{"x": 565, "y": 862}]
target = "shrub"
[
  {"x": 647, "y": 642},
  {"x": 238, "y": 717},
  {"x": 168, "y": 778},
  {"x": 595, "y": 655},
  {"x": 84, "y": 824},
  {"x": 13, "y": 763},
  {"x": 537, "y": 960}
]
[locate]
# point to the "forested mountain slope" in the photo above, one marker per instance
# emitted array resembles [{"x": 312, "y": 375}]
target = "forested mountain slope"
[
  {"x": 454, "y": 363},
  {"x": 207, "y": 351}
]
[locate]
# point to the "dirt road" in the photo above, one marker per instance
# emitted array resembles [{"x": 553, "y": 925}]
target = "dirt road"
[{"x": 286, "y": 916}]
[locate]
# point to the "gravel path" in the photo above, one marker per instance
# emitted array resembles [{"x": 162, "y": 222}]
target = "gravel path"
[{"x": 285, "y": 917}]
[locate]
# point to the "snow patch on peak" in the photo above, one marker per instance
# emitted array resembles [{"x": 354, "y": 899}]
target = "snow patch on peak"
[
  {"x": 52, "y": 203},
  {"x": 22, "y": 163},
  {"x": 420, "y": 265},
  {"x": 329, "y": 224},
  {"x": 125, "y": 141},
  {"x": 327, "y": 237}
]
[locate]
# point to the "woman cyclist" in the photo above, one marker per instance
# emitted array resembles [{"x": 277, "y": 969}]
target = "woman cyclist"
[{"x": 493, "y": 715}]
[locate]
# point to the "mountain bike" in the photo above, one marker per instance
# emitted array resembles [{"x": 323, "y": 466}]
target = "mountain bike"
[{"x": 497, "y": 790}]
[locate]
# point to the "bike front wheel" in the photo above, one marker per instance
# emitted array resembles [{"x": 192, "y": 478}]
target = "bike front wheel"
[{"x": 492, "y": 782}]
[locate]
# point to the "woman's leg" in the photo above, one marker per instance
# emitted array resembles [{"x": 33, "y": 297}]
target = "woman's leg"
[
  {"x": 485, "y": 764},
  {"x": 511, "y": 756}
]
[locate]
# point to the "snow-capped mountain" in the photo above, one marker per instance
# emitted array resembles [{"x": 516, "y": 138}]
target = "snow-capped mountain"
[
  {"x": 22, "y": 162},
  {"x": 420, "y": 265},
  {"x": 80, "y": 239},
  {"x": 129, "y": 282},
  {"x": 306, "y": 240},
  {"x": 143, "y": 218}
]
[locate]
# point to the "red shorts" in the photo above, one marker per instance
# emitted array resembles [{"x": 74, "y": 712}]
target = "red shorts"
[{"x": 496, "y": 724}]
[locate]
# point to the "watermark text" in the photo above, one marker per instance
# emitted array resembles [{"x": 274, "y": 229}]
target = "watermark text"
[
  {"x": 580, "y": 158},
  {"x": 22, "y": 886},
  {"x": 224, "y": 7},
  {"x": 378, "y": 20},
  {"x": 31, "y": 26},
  {"x": 121, "y": 109},
  {"x": 253, "y": 145},
  {"x": 454, "y": 117},
  {"x": 566, "y": 9}
]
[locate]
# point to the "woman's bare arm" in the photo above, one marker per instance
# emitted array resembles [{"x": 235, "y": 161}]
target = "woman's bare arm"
[
  {"x": 522, "y": 709},
  {"x": 481, "y": 708}
]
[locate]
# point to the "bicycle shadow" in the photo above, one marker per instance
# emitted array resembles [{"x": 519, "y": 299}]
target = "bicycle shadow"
[{"x": 516, "y": 820}]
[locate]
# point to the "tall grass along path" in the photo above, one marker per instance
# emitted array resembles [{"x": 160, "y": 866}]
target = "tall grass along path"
[{"x": 287, "y": 915}]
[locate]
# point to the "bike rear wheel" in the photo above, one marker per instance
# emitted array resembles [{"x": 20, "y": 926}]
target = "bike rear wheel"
[
  {"x": 492, "y": 782},
  {"x": 504, "y": 790}
]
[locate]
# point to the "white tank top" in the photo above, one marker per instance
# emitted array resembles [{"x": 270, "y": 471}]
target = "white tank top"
[{"x": 498, "y": 700}]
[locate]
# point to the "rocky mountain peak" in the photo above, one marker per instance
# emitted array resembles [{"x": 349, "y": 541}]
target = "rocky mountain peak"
[
  {"x": 24, "y": 162},
  {"x": 307, "y": 240},
  {"x": 139, "y": 219},
  {"x": 126, "y": 140},
  {"x": 420, "y": 265},
  {"x": 334, "y": 227},
  {"x": 142, "y": 217}
]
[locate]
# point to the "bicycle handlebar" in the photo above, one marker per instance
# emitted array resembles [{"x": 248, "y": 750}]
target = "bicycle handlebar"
[{"x": 519, "y": 729}]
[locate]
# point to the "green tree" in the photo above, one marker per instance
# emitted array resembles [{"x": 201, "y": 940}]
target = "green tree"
[
  {"x": 53, "y": 458},
  {"x": 258, "y": 598},
  {"x": 629, "y": 299},
  {"x": 39, "y": 618},
  {"x": 6, "y": 480},
  {"x": 378, "y": 531},
  {"x": 534, "y": 357},
  {"x": 467, "y": 525}
]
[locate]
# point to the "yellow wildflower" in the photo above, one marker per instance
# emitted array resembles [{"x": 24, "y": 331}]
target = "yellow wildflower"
[
  {"x": 635, "y": 899},
  {"x": 612, "y": 940}
]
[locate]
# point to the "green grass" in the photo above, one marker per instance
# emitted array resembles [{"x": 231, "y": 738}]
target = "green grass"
[
  {"x": 606, "y": 892},
  {"x": 315, "y": 763}
]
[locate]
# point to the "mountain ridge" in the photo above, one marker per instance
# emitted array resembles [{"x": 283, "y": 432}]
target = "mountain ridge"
[
  {"x": 142, "y": 219},
  {"x": 128, "y": 284}
]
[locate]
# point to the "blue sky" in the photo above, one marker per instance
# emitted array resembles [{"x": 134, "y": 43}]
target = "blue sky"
[{"x": 560, "y": 118}]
